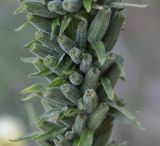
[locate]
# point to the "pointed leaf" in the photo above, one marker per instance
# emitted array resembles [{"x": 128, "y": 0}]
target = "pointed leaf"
[
  {"x": 121, "y": 5},
  {"x": 100, "y": 51},
  {"x": 57, "y": 82},
  {"x": 54, "y": 25},
  {"x": 124, "y": 115},
  {"x": 27, "y": 136},
  {"x": 108, "y": 87},
  {"x": 46, "y": 135},
  {"x": 42, "y": 73},
  {"x": 29, "y": 97},
  {"x": 20, "y": 9},
  {"x": 87, "y": 4},
  {"x": 29, "y": 44},
  {"x": 22, "y": 26},
  {"x": 86, "y": 138},
  {"x": 65, "y": 23},
  {"x": 28, "y": 60},
  {"x": 36, "y": 88},
  {"x": 120, "y": 63}
]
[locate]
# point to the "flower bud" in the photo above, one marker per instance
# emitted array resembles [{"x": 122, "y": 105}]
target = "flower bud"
[
  {"x": 51, "y": 44},
  {"x": 76, "y": 78},
  {"x": 39, "y": 22},
  {"x": 42, "y": 51},
  {"x": 81, "y": 35},
  {"x": 70, "y": 92},
  {"x": 86, "y": 62},
  {"x": 72, "y": 5},
  {"x": 90, "y": 100},
  {"x": 97, "y": 117},
  {"x": 80, "y": 124},
  {"x": 39, "y": 9},
  {"x": 91, "y": 79},
  {"x": 75, "y": 55},
  {"x": 56, "y": 95},
  {"x": 56, "y": 6},
  {"x": 65, "y": 43}
]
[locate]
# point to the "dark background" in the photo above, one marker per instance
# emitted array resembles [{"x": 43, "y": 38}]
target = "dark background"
[{"x": 138, "y": 44}]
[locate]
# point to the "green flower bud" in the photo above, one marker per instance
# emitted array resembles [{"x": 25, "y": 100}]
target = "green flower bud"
[
  {"x": 58, "y": 66},
  {"x": 56, "y": 95},
  {"x": 97, "y": 117},
  {"x": 38, "y": 9},
  {"x": 71, "y": 92},
  {"x": 50, "y": 61},
  {"x": 51, "y": 44},
  {"x": 86, "y": 63},
  {"x": 72, "y": 5},
  {"x": 80, "y": 124},
  {"x": 42, "y": 52},
  {"x": 81, "y": 35},
  {"x": 56, "y": 6},
  {"x": 39, "y": 22},
  {"x": 76, "y": 78},
  {"x": 75, "y": 55},
  {"x": 65, "y": 43},
  {"x": 38, "y": 64},
  {"x": 81, "y": 104},
  {"x": 90, "y": 100},
  {"x": 91, "y": 79},
  {"x": 99, "y": 25},
  {"x": 113, "y": 31}
]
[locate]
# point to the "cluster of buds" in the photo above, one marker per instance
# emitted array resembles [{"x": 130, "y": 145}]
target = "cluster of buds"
[{"x": 72, "y": 50}]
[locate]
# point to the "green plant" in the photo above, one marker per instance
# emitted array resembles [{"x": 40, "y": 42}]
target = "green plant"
[{"x": 72, "y": 49}]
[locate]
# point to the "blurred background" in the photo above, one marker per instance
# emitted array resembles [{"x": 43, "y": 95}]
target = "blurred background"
[{"x": 138, "y": 44}]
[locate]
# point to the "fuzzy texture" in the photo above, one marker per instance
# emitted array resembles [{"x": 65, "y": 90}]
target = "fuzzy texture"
[{"x": 72, "y": 50}]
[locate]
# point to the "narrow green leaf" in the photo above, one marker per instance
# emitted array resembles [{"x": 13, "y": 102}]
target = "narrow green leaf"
[
  {"x": 27, "y": 136},
  {"x": 65, "y": 23},
  {"x": 124, "y": 115},
  {"x": 29, "y": 44},
  {"x": 86, "y": 138},
  {"x": 71, "y": 112},
  {"x": 20, "y": 9},
  {"x": 108, "y": 87},
  {"x": 46, "y": 135},
  {"x": 57, "y": 82},
  {"x": 36, "y": 88},
  {"x": 42, "y": 73},
  {"x": 81, "y": 16},
  {"x": 99, "y": 47},
  {"x": 87, "y": 4},
  {"x": 120, "y": 62},
  {"x": 54, "y": 25},
  {"x": 28, "y": 60},
  {"x": 22, "y": 26},
  {"x": 29, "y": 97},
  {"x": 120, "y": 5}
]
